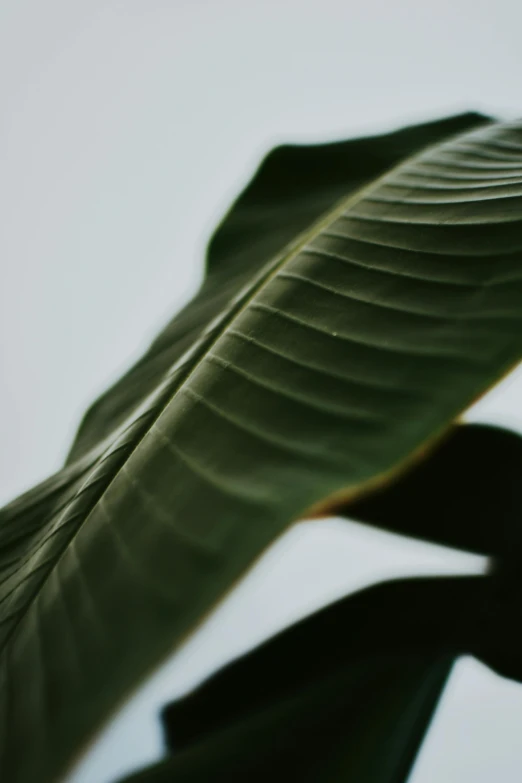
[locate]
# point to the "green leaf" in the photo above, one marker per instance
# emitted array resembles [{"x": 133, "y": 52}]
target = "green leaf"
[
  {"x": 333, "y": 729},
  {"x": 293, "y": 187},
  {"x": 472, "y": 480},
  {"x": 292, "y": 381},
  {"x": 344, "y": 694},
  {"x": 289, "y": 707}
]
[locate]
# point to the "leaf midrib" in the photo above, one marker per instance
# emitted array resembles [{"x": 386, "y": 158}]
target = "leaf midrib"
[{"x": 213, "y": 333}]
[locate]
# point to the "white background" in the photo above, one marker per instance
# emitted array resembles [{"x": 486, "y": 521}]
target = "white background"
[{"x": 125, "y": 130}]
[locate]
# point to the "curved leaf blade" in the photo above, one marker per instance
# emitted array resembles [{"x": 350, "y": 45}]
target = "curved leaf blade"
[
  {"x": 292, "y": 188},
  {"x": 327, "y": 733},
  {"x": 370, "y": 329},
  {"x": 464, "y": 495}
]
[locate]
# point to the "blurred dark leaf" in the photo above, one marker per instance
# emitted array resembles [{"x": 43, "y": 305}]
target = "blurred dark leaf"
[
  {"x": 465, "y": 495},
  {"x": 289, "y": 708},
  {"x": 360, "y": 722}
]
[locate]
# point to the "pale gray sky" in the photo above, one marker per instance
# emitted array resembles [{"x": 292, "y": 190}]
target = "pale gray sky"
[{"x": 125, "y": 130}]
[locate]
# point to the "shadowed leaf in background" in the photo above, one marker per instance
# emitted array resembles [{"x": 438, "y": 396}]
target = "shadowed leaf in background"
[{"x": 348, "y": 692}]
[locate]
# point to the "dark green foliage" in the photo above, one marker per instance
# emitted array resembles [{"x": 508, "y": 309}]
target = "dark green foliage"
[
  {"x": 359, "y": 297},
  {"x": 290, "y": 706}
]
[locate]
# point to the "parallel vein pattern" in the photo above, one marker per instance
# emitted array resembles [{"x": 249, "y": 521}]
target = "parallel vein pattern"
[{"x": 317, "y": 358}]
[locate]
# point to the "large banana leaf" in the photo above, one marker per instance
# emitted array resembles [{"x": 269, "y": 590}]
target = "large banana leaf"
[{"x": 309, "y": 369}]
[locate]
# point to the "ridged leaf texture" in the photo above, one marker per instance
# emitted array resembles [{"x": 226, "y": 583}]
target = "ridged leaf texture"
[{"x": 359, "y": 297}]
